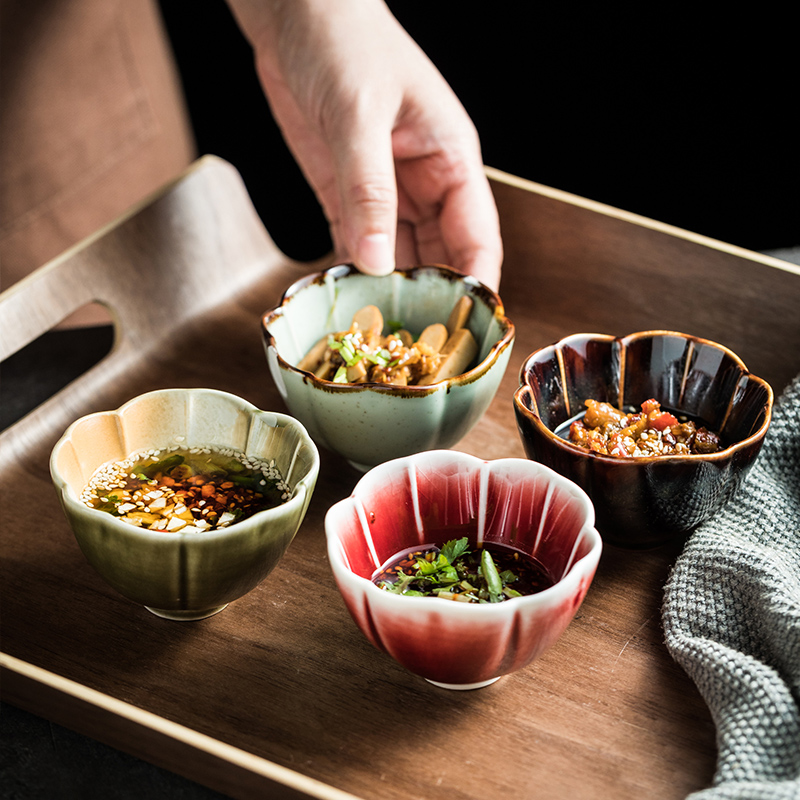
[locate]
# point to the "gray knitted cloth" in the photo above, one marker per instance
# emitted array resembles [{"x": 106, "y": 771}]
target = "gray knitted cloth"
[{"x": 732, "y": 620}]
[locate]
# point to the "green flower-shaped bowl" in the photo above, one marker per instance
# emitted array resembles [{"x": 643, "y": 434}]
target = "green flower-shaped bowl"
[{"x": 184, "y": 576}]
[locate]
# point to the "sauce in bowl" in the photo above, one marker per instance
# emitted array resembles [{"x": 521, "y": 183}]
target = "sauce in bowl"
[{"x": 653, "y": 431}]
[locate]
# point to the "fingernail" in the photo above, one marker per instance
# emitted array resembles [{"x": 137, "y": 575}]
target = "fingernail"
[{"x": 375, "y": 256}]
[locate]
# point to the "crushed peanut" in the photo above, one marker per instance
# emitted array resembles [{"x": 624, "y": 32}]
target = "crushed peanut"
[{"x": 189, "y": 490}]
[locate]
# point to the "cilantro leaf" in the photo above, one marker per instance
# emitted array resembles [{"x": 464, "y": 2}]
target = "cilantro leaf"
[{"x": 454, "y": 549}]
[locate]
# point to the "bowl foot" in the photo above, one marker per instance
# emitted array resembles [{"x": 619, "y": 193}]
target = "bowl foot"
[
  {"x": 462, "y": 687},
  {"x": 185, "y": 616}
]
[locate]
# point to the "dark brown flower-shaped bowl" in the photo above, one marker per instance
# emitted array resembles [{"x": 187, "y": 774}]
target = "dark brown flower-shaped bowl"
[{"x": 645, "y": 501}]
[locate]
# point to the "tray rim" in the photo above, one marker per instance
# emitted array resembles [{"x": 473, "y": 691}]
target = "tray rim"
[
  {"x": 637, "y": 219},
  {"x": 292, "y": 779}
]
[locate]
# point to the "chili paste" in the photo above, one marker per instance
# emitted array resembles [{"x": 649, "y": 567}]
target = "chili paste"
[
  {"x": 188, "y": 490},
  {"x": 608, "y": 431}
]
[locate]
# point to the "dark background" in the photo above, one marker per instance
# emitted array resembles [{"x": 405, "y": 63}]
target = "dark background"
[{"x": 687, "y": 120}]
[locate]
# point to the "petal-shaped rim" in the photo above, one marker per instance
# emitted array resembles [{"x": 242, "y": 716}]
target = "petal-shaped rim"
[
  {"x": 525, "y": 393},
  {"x": 577, "y": 566},
  {"x": 302, "y": 486},
  {"x": 492, "y": 299}
]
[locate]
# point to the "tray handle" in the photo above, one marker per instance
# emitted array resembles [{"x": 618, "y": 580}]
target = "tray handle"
[{"x": 190, "y": 245}]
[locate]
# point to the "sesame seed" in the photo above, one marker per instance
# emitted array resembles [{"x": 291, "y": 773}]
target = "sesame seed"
[{"x": 143, "y": 503}]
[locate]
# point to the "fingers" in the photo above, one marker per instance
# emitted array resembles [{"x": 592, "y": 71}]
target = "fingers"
[
  {"x": 374, "y": 254},
  {"x": 447, "y": 215},
  {"x": 471, "y": 230},
  {"x": 363, "y": 164}
]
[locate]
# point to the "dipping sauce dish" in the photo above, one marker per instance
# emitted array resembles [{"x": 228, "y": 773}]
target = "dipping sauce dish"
[
  {"x": 430, "y": 497},
  {"x": 175, "y": 574},
  {"x": 371, "y": 423},
  {"x": 645, "y": 501}
]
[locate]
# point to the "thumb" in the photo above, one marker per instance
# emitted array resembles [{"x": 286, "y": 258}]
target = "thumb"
[{"x": 364, "y": 165}]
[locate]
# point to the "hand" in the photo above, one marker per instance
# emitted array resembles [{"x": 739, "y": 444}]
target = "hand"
[{"x": 382, "y": 139}]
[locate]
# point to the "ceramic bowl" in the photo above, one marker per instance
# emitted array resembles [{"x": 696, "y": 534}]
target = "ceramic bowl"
[
  {"x": 645, "y": 501},
  {"x": 431, "y": 497},
  {"x": 178, "y": 575},
  {"x": 371, "y": 423}
]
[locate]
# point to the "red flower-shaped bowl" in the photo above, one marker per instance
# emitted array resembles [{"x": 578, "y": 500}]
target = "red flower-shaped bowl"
[{"x": 431, "y": 497}]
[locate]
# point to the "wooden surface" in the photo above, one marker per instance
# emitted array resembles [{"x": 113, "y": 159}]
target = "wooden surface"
[{"x": 281, "y": 693}]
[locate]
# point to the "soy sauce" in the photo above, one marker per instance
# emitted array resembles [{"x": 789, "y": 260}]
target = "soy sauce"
[{"x": 530, "y": 575}]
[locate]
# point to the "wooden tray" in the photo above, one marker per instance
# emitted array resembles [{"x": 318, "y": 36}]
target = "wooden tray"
[{"x": 280, "y": 693}]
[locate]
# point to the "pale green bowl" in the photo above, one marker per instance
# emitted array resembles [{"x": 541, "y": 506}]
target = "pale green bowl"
[
  {"x": 372, "y": 423},
  {"x": 184, "y": 576}
]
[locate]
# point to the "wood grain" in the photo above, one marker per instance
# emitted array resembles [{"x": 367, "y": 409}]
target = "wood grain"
[{"x": 283, "y": 674}]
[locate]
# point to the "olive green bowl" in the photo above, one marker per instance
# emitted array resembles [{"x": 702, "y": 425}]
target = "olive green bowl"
[{"x": 177, "y": 575}]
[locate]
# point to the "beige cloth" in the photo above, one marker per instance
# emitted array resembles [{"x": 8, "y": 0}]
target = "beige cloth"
[{"x": 92, "y": 120}]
